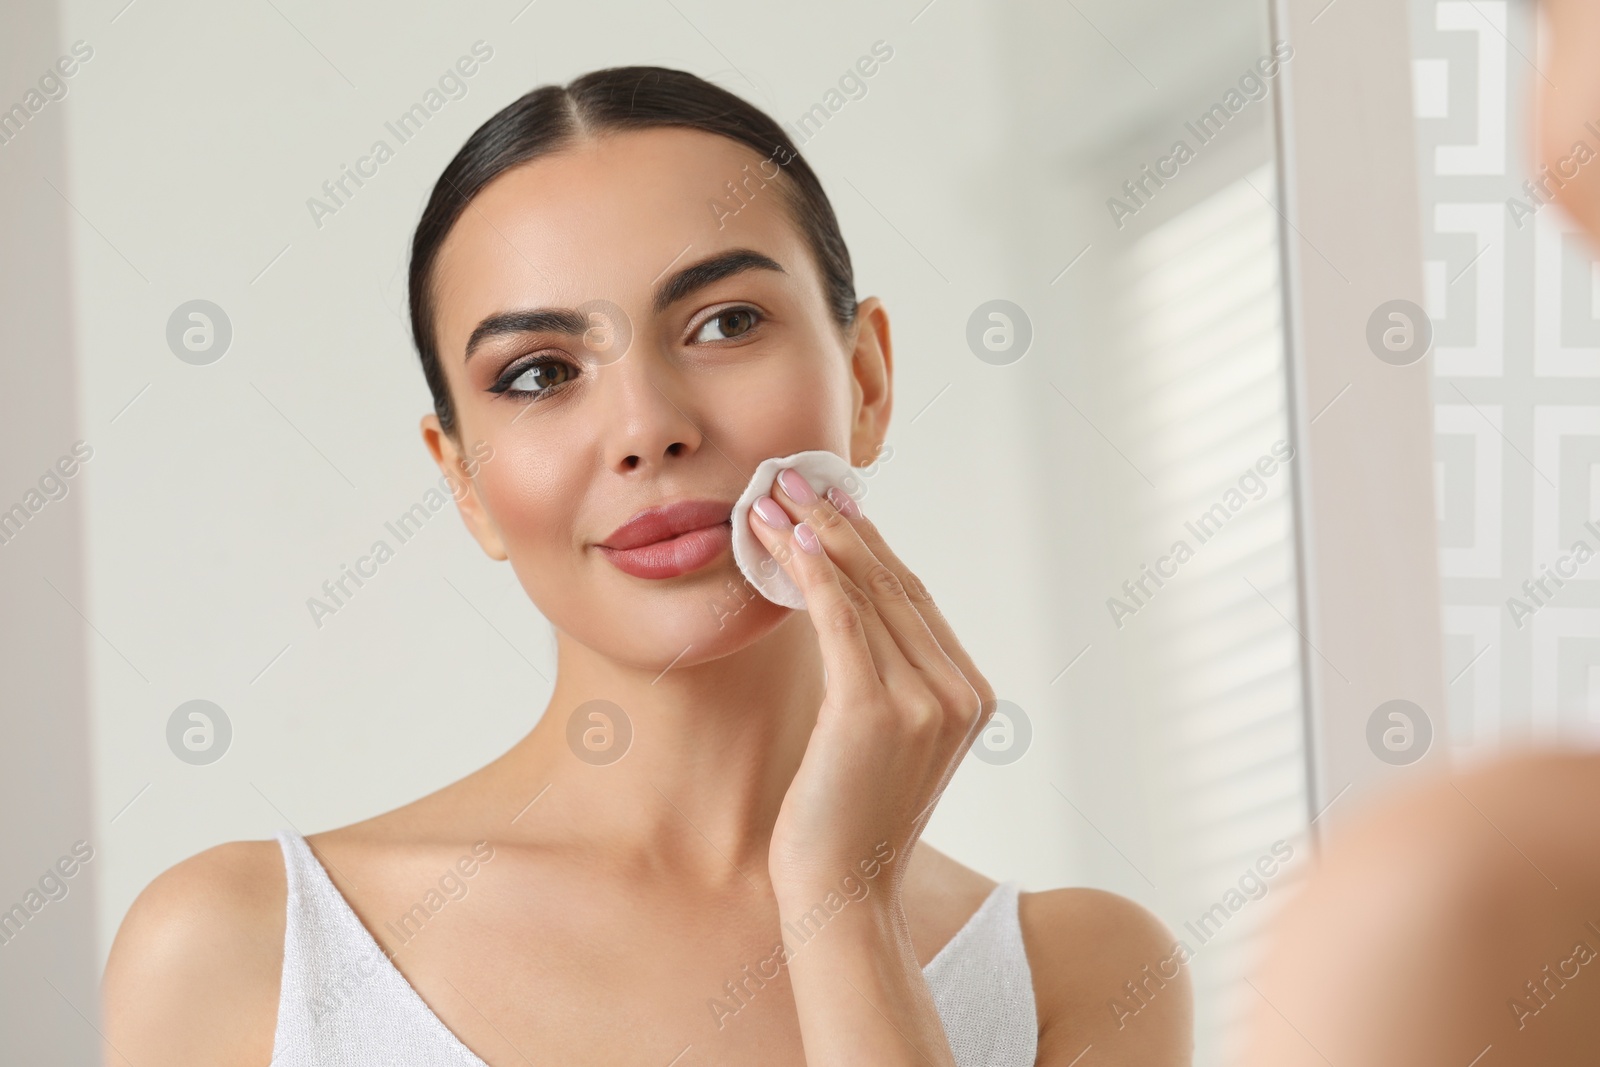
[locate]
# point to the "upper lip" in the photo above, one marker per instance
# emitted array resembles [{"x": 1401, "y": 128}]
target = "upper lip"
[{"x": 667, "y": 520}]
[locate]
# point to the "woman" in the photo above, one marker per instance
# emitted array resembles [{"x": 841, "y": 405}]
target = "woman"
[{"x": 613, "y": 343}]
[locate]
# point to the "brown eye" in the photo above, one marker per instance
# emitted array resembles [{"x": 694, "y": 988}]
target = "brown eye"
[
  {"x": 729, "y": 324},
  {"x": 530, "y": 379}
]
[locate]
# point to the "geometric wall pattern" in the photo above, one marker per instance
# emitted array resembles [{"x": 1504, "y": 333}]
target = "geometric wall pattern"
[{"x": 1513, "y": 291}]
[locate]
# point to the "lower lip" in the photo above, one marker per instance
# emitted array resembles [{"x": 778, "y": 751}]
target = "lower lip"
[{"x": 677, "y": 555}]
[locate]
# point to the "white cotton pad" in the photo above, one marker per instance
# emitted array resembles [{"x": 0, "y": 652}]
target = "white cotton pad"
[{"x": 822, "y": 469}]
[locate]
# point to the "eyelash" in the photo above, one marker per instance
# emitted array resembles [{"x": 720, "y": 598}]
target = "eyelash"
[
  {"x": 756, "y": 312},
  {"x": 502, "y": 386}
]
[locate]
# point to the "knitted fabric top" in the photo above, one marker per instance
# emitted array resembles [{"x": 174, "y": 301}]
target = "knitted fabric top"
[{"x": 343, "y": 1002}]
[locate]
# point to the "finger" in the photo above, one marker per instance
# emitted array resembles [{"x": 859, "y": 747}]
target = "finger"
[
  {"x": 801, "y": 500},
  {"x": 959, "y": 685},
  {"x": 900, "y": 677},
  {"x": 841, "y": 631},
  {"x": 913, "y": 620},
  {"x": 918, "y": 706},
  {"x": 903, "y": 687},
  {"x": 929, "y": 611}
]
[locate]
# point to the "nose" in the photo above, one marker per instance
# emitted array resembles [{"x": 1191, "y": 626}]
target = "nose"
[{"x": 644, "y": 407}]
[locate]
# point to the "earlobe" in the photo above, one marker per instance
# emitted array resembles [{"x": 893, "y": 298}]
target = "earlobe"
[{"x": 447, "y": 454}]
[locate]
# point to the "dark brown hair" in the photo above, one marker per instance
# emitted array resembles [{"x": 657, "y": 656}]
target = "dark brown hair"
[{"x": 553, "y": 117}]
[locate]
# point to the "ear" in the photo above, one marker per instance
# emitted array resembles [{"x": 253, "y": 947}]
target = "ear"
[
  {"x": 872, "y": 373},
  {"x": 461, "y": 471}
]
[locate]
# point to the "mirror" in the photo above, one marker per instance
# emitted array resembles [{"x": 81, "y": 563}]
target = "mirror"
[{"x": 1070, "y": 214}]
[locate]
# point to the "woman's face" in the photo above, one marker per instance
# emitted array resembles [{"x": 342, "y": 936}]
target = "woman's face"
[{"x": 717, "y": 377}]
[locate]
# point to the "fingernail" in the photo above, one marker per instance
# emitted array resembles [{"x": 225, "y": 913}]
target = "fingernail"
[
  {"x": 771, "y": 513},
  {"x": 808, "y": 539},
  {"x": 844, "y": 502},
  {"x": 797, "y": 487}
]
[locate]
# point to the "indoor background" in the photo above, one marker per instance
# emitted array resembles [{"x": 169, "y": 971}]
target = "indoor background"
[{"x": 1157, "y": 740}]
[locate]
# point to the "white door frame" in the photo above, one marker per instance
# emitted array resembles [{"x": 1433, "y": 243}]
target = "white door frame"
[{"x": 1369, "y": 613}]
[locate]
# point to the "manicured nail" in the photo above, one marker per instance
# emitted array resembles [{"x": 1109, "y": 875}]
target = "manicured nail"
[
  {"x": 844, "y": 502},
  {"x": 797, "y": 487},
  {"x": 808, "y": 539},
  {"x": 771, "y": 513}
]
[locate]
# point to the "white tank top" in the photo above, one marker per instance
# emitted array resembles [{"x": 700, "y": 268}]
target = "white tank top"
[{"x": 343, "y": 1002}]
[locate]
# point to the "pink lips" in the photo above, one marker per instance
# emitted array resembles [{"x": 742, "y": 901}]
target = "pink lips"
[{"x": 674, "y": 539}]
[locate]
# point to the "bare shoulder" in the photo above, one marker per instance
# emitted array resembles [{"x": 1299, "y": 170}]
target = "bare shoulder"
[
  {"x": 1084, "y": 946},
  {"x": 1432, "y": 900},
  {"x": 193, "y": 974},
  {"x": 1445, "y": 838},
  {"x": 1547, "y": 797}
]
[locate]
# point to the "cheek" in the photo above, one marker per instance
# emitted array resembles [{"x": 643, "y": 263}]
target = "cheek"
[
  {"x": 790, "y": 406},
  {"x": 530, "y": 492}
]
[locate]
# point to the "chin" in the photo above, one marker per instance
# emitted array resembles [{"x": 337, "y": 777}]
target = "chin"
[{"x": 740, "y": 626}]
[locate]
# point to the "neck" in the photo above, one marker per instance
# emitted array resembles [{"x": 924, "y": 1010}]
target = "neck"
[{"x": 714, "y": 746}]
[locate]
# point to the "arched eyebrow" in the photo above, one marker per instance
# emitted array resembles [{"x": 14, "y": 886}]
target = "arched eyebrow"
[{"x": 678, "y": 285}]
